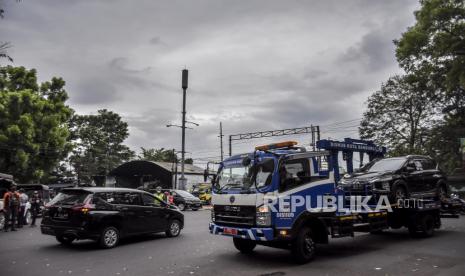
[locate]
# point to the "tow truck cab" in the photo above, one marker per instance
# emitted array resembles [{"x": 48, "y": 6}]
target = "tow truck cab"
[{"x": 272, "y": 197}]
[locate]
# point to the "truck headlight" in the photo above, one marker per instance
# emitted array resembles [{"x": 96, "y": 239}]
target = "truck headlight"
[
  {"x": 263, "y": 216},
  {"x": 213, "y": 215}
]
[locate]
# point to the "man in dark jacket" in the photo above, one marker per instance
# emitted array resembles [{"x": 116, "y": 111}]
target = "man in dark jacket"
[{"x": 11, "y": 207}]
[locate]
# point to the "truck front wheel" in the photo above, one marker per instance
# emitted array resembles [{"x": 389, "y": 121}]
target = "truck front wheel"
[
  {"x": 243, "y": 245},
  {"x": 303, "y": 246}
]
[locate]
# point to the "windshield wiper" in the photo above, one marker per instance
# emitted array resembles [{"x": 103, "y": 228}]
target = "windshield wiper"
[{"x": 227, "y": 185}]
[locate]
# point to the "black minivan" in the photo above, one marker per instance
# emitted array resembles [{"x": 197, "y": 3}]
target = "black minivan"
[{"x": 108, "y": 214}]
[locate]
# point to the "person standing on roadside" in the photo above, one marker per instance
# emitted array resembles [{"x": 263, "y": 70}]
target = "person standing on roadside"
[
  {"x": 35, "y": 207},
  {"x": 23, "y": 199},
  {"x": 11, "y": 207}
]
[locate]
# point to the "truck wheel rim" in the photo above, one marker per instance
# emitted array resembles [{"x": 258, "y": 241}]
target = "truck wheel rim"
[
  {"x": 308, "y": 242},
  {"x": 110, "y": 237},
  {"x": 174, "y": 228},
  {"x": 181, "y": 206}
]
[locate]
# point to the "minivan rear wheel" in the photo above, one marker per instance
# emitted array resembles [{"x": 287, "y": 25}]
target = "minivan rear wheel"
[
  {"x": 174, "y": 228},
  {"x": 109, "y": 237},
  {"x": 66, "y": 240}
]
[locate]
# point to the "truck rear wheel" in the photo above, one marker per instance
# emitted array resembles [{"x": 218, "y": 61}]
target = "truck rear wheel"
[
  {"x": 244, "y": 246},
  {"x": 424, "y": 228},
  {"x": 303, "y": 246}
]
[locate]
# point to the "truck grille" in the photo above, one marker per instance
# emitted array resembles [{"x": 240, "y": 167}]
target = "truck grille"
[{"x": 234, "y": 215}]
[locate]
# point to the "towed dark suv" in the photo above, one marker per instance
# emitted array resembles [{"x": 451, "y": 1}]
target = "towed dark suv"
[
  {"x": 108, "y": 214},
  {"x": 399, "y": 177}
]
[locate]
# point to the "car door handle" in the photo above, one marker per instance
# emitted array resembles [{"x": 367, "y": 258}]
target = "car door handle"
[
  {"x": 123, "y": 208},
  {"x": 148, "y": 212}
]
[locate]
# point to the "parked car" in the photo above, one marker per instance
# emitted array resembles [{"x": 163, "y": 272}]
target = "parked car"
[
  {"x": 412, "y": 176},
  {"x": 185, "y": 200},
  {"x": 108, "y": 214}
]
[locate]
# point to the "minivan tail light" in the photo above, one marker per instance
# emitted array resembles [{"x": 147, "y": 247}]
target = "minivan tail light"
[{"x": 84, "y": 208}]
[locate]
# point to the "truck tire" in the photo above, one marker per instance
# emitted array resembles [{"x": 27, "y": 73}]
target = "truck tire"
[
  {"x": 303, "y": 247},
  {"x": 423, "y": 228},
  {"x": 244, "y": 246}
]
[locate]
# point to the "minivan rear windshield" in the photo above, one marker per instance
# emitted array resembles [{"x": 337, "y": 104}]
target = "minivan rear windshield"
[{"x": 71, "y": 197}]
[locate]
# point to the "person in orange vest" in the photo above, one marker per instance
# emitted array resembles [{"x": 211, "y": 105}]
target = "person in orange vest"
[{"x": 11, "y": 207}]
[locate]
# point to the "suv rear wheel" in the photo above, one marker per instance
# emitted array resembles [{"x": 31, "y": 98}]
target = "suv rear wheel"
[{"x": 109, "y": 237}]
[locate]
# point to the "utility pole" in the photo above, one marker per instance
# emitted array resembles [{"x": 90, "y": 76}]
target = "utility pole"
[
  {"x": 182, "y": 180},
  {"x": 221, "y": 140}
]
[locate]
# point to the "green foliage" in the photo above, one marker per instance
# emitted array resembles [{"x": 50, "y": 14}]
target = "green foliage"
[
  {"x": 437, "y": 42},
  {"x": 33, "y": 124},
  {"x": 98, "y": 144},
  {"x": 158, "y": 155},
  {"x": 424, "y": 111},
  {"x": 399, "y": 115},
  {"x": 189, "y": 161}
]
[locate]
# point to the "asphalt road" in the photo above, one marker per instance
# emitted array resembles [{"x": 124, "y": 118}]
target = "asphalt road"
[{"x": 196, "y": 252}]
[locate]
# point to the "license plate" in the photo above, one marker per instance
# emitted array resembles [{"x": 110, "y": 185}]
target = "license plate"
[
  {"x": 61, "y": 215},
  {"x": 230, "y": 231}
]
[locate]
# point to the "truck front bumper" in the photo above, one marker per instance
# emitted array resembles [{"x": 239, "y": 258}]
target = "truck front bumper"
[{"x": 256, "y": 234}]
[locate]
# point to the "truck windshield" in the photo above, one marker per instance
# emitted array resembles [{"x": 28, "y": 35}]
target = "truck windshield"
[
  {"x": 235, "y": 177},
  {"x": 245, "y": 177}
]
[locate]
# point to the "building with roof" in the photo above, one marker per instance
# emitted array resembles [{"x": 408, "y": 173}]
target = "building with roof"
[{"x": 137, "y": 173}]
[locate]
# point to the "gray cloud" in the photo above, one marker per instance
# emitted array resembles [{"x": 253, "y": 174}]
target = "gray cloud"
[{"x": 254, "y": 65}]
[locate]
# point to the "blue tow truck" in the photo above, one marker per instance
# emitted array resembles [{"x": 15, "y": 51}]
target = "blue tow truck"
[{"x": 282, "y": 196}]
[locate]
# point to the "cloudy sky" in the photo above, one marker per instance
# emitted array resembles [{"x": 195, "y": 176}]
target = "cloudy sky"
[{"x": 254, "y": 65}]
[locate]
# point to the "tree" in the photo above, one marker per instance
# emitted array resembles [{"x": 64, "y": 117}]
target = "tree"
[
  {"x": 33, "y": 124},
  {"x": 437, "y": 42},
  {"x": 399, "y": 115},
  {"x": 98, "y": 143},
  {"x": 189, "y": 161},
  {"x": 158, "y": 155}
]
